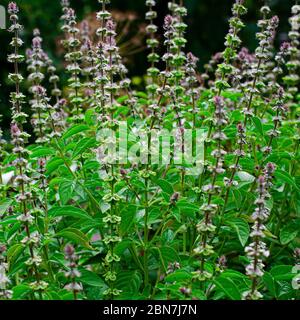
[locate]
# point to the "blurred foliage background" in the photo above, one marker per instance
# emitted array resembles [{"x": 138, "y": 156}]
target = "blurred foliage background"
[{"x": 207, "y": 21}]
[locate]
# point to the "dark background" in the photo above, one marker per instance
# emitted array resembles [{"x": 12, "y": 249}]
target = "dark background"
[{"x": 207, "y": 21}]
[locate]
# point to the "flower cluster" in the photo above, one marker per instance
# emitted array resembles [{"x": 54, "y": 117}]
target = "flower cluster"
[
  {"x": 232, "y": 44},
  {"x": 73, "y": 58},
  {"x": 293, "y": 65},
  {"x": 277, "y": 68},
  {"x": 101, "y": 81},
  {"x": 72, "y": 274},
  {"x": 111, "y": 221},
  {"x": 53, "y": 78},
  {"x": 153, "y": 56},
  {"x": 244, "y": 62},
  {"x": 177, "y": 59},
  {"x": 172, "y": 78},
  {"x": 262, "y": 54},
  {"x": 111, "y": 69},
  {"x": 110, "y": 66},
  {"x": 280, "y": 110},
  {"x": 88, "y": 64},
  {"x": 57, "y": 114},
  {"x": 209, "y": 209},
  {"x": 39, "y": 104},
  {"x": 103, "y": 16},
  {"x": 257, "y": 249},
  {"x": 17, "y": 97},
  {"x": 22, "y": 179},
  {"x": 3, "y": 154},
  {"x": 239, "y": 154},
  {"x": 5, "y": 293},
  {"x": 192, "y": 84},
  {"x": 210, "y": 69}
]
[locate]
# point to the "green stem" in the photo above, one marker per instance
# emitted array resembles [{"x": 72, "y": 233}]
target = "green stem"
[{"x": 146, "y": 235}]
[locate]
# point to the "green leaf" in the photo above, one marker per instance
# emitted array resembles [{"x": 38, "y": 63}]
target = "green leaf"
[
  {"x": 69, "y": 211},
  {"x": 53, "y": 295},
  {"x": 176, "y": 214},
  {"x": 289, "y": 232},
  {"x": 74, "y": 130},
  {"x": 8, "y": 220},
  {"x": 83, "y": 145},
  {"x": 65, "y": 190},
  {"x": 122, "y": 99},
  {"x": 13, "y": 253},
  {"x": 245, "y": 176},
  {"x": 41, "y": 152},
  {"x": 237, "y": 196},
  {"x": 270, "y": 283},
  {"x": 90, "y": 117},
  {"x": 286, "y": 290},
  {"x": 54, "y": 164},
  {"x": 75, "y": 236},
  {"x": 179, "y": 276},
  {"x": 233, "y": 96},
  {"x": 233, "y": 274},
  {"x": 247, "y": 163},
  {"x": 141, "y": 94},
  {"x": 91, "y": 165},
  {"x": 165, "y": 186},
  {"x": 187, "y": 208},
  {"x": 282, "y": 272},
  {"x": 91, "y": 278},
  {"x": 4, "y": 205},
  {"x": 167, "y": 255},
  {"x": 20, "y": 291},
  {"x": 128, "y": 215},
  {"x": 13, "y": 229},
  {"x": 129, "y": 281},
  {"x": 258, "y": 125},
  {"x": 122, "y": 246},
  {"x": 228, "y": 287},
  {"x": 287, "y": 178},
  {"x": 241, "y": 227},
  {"x": 55, "y": 181}
]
